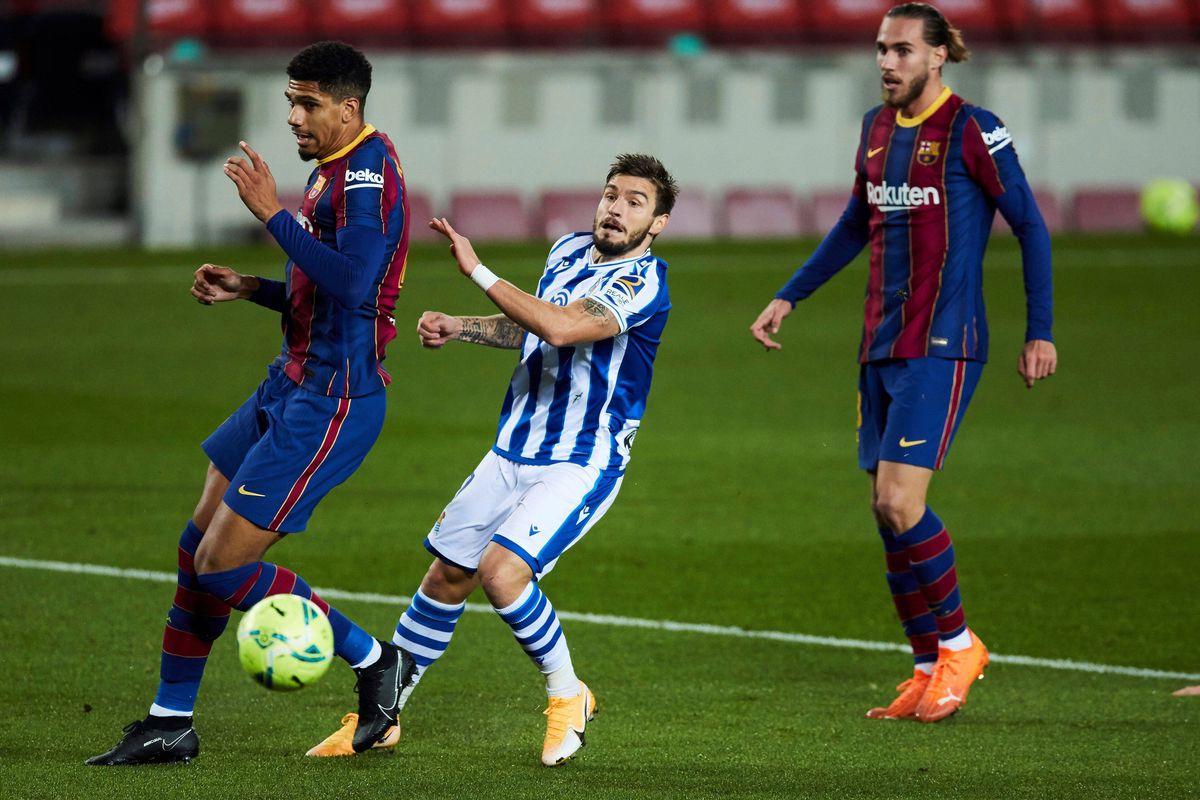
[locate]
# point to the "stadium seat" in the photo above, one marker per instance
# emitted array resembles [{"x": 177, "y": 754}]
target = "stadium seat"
[
  {"x": 978, "y": 19},
  {"x": 693, "y": 217},
  {"x": 827, "y": 208},
  {"x": 761, "y": 213},
  {"x": 1146, "y": 20},
  {"x": 643, "y": 21},
  {"x": 556, "y": 23},
  {"x": 848, "y": 21},
  {"x": 1060, "y": 20},
  {"x": 254, "y": 20},
  {"x": 496, "y": 216},
  {"x": 1101, "y": 210},
  {"x": 758, "y": 21},
  {"x": 164, "y": 18},
  {"x": 566, "y": 211},
  {"x": 459, "y": 22},
  {"x": 382, "y": 21}
]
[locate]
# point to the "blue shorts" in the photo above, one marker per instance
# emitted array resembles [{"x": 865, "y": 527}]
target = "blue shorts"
[
  {"x": 909, "y": 409},
  {"x": 287, "y": 447}
]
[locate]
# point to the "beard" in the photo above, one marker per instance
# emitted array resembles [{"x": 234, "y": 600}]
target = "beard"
[
  {"x": 306, "y": 156},
  {"x": 609, "y": 248},
  {"x": 914, "y": 91}
]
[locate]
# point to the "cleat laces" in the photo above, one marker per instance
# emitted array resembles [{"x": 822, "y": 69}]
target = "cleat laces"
[{"x": 557, "y": 713}]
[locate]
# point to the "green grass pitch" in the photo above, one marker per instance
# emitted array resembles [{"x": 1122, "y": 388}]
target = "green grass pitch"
[{"x": 1073, "y": 508}]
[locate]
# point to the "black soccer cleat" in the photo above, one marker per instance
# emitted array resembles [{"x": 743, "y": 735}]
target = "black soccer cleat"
[
  {"x": 381, "y": 688},
  {"x": 150, "y": 741}
]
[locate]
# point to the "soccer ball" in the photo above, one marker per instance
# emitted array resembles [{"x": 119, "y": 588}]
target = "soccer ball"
[
  {"x": 1169, "y": 205},
  {"x": 285, "y": 642}
]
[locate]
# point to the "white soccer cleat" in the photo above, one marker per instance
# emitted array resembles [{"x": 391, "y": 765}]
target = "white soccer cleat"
[{"x": 566, "y": 718}]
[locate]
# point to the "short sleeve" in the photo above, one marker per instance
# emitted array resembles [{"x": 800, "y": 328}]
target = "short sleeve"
[{"x": 633, "y": 294}]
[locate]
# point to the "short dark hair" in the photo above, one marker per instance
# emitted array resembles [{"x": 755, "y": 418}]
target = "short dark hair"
[
  {"x": 938, "y": 31},
  {"x": 338, "y": 69},
  {"x": 650, "y": 168}
]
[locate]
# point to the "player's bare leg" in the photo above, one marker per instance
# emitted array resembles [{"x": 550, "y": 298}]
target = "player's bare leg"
[
  {"x": 166, "y": 735},
  {"x": 508, "y": 582},
  {"x": 448, "y": 587},
  {"x": 899, "y": 504}
]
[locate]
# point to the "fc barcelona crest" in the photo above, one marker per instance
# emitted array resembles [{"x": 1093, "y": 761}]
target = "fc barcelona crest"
[
  {"x": 928, "y": 152},
  {"x": 315, "y": 191}
]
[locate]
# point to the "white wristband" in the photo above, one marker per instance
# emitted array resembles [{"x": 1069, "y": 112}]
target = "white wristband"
[{"x": 484, "y": 278}]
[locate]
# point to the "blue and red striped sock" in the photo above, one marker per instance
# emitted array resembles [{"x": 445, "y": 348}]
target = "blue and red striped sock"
[
  {"x": 920, "y": 626},
  {"x": 931, "y": 558},
  {"x": 194, "y": 622},
  {"x": 242, "y": 587}
]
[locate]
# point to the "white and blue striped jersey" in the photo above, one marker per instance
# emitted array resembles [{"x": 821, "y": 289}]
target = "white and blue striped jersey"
[{"x": 584, "y": 404}]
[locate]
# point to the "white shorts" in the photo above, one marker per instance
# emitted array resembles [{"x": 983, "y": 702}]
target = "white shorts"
[{"x": 537, "y": 511}]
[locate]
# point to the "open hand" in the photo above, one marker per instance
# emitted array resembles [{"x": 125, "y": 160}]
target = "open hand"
[
  {"x": 460, "y": 246},
  {"x": 255, "y": 183}
]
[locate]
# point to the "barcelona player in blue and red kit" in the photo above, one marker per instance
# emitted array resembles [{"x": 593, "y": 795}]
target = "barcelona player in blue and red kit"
[
  {"x": 312, "y": 421},
  {"x": 932, "y": 170}
]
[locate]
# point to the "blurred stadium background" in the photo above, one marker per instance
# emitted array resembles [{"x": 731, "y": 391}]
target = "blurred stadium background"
[
  {"x": 115, "y": 116},
  {"x": 1076, "y": 503}
]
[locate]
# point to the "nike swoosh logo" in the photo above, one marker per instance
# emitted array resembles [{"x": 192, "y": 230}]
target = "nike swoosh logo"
[
  {"x": 243, "y": 490},
  {"x": 874, "y": 152},
  {"x": 906, "y": 443},
  {"x": 390, "y": 711},
  {"x": 168, "y": 745}
]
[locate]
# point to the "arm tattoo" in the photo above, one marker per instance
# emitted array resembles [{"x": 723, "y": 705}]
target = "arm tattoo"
[
  {"x": 492, "y": 331},
  {"x": 596, "y": 309}
]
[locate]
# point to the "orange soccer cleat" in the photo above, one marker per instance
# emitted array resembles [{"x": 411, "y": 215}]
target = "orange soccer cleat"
[
  {"x": 566, "y": 718},
  {"x": 905, "y": 705},
  {"x": 955, "y": 672},
  {"x": 341, "y": 741}
]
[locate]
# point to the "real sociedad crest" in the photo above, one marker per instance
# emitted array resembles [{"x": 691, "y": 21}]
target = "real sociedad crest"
[
  {"x": 315, "y": 191},
  {"x": 928, "y": 152}
]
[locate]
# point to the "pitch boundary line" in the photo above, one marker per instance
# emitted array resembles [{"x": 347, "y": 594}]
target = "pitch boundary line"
[{"x": 612, "y": 620}]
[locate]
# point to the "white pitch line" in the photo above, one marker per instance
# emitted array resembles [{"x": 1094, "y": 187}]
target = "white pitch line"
[{"x": 627, "y": 622}]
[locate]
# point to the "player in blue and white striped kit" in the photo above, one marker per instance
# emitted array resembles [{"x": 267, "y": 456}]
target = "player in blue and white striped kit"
[{"x": 587, "y": 339}]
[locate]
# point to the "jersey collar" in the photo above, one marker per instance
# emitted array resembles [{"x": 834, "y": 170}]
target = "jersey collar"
[
  {"x": 594, "y": 252},
  {"x": 366, "y": 131},
  {"x": 906, "y": 122}
]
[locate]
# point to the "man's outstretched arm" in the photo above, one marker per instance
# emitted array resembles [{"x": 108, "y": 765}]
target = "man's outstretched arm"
[
  {"x": 436, "y": 328},
  {"x": 580, "y": 322}
]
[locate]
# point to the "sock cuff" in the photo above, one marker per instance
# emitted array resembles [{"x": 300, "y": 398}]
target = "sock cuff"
[
  {"x": 891, "y": 542},
  {"x": 189, "y": 540},
  {"x": 436, "y": 608},
  {"x": 225, "y": 584},
  {"x": 521, "y": 606},
  {"x": 928, "y": 527}
]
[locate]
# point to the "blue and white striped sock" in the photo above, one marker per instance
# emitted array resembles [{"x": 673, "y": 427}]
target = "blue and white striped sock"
[
  {"x": 425, "y": 628},
  {"x": 536, "y": 628}
]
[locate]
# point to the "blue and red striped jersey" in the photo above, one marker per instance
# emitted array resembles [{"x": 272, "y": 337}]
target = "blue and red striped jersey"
[
  {"x": 338, "y": 319},
  {"x": 924, "y": 198}
]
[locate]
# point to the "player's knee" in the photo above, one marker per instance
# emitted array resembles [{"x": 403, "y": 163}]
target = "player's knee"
[
  {"x": 897, "y": 510},
  {"x": 447, "y": 583},
  {"x": 503, "y": 575},
  {"x": 205, "y": 561},
  {"x": 215, "y": 485}
]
